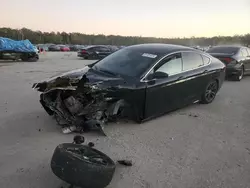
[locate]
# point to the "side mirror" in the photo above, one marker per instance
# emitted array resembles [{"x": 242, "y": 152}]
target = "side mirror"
[{"x": 160, "y": 75}]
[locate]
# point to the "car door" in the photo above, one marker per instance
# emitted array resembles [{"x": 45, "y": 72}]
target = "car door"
[
  {"x": 244, "y": 58},
  {"x": 247, "y": 63},
  {"x": 94, "y": 52},
  {"x": 196, "y": 75},
  {"x": 103, "y": 52},
  {"x": 163, "y": 95}
]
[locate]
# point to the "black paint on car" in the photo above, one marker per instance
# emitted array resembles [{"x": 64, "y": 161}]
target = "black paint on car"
[
  {"x": 137, "y": 82},
  {"x": 94, "y": 52},
  {"x": 236, "y": 59}
]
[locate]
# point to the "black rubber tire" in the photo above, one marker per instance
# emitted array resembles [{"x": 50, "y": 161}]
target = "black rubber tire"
[
  {"x": 24, "y": 58},
  {"x": 77, "y": 171},
  {"x": 240, "y": 76},
  {"x": 204, "y": 99},
  {"x": 33, "y": 59}
]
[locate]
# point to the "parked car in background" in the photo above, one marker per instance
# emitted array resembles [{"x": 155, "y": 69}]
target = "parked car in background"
[
  {"x": 54, "y": 48},
  {"x": 74, "y": 48},
  {"x": 113, "y": 48},
  {"x": 36, "y": 49},
  {"x": 236, "y": 59},
  {"x": 15, "y": 50},
  {"x": 42, "y": 47},
  {"x": 140, "y": 82},
  {"x": 64, "y": 48},
  {"x": 94, "y": 52}
]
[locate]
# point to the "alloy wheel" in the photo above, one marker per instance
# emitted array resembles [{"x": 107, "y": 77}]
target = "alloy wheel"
[
  {"x": 211, "y": 91},
  {"x": 241, "y": 74}
]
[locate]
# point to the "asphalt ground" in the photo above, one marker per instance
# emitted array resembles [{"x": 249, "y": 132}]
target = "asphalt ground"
[{"x": 199, "y": 146}]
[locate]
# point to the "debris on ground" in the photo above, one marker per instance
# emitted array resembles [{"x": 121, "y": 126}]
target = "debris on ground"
[
  {"x": 125, "y": 162},
  {"x": 193, "y": 115},
  {"x": 78, "y": 139},
  {"x": 77, "y": 165},
  {"x": 91, "y": 144}
]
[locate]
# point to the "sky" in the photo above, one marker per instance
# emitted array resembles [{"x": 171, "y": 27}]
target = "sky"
[{"x": 151, "y": 18}]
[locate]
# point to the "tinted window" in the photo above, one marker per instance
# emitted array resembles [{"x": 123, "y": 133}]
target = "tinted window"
[
  {"x": 191, "y": 60},
  {"x": 103, "y": 49},
  {"x": 223, "y": 49},
  {"x": 91, "y": 49},
  {"x": 244, "y": 52},
  {"x": 171, "y": 65},
  {"x": 128, "y": 62},
  {"x": 206, "y": 60}
]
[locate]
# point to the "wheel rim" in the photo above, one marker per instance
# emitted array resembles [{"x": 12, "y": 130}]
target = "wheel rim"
[
  {"x": 211, "y": 91},
  {"x": 91, "y": 158},
  {"x": 241, "y": 74}
]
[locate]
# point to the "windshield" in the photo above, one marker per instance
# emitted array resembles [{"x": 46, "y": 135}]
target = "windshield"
[
  {"x": 224, "y": 50},
  {"x": 128, "y": 62}
]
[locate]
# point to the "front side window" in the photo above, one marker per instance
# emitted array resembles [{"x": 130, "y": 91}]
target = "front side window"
[
  {"x": 191, "y": 60},
  {"x": 171, "y": 65}
]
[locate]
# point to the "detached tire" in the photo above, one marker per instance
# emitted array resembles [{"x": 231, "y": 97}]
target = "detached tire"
[
  {"x": 210, "y": 92},
  {"x": 78, "y": 166}
]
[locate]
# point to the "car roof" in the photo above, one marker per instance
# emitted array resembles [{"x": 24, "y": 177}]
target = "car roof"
[
  {"x": 92, "y": 46},
  {"x": 160, "y": 48},
  {"x": 228, "y": 46}
]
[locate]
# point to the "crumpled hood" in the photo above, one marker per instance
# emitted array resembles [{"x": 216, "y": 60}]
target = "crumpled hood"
[{"x": 71, "y": 79}]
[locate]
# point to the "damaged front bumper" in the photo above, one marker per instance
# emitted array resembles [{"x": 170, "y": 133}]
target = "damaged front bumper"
[{"x": 77, "y": 105}]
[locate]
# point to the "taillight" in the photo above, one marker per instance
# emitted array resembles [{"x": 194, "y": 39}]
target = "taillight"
[
  {"x": 84, "y": 51},
  {"x": 227, "y": 59}
]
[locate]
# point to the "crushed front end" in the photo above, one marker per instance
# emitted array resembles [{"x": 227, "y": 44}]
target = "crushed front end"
[{"x": 77, "y": 104}]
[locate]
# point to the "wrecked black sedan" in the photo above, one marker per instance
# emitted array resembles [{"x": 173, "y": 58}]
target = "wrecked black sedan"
[{"x": 137, "y": 82}]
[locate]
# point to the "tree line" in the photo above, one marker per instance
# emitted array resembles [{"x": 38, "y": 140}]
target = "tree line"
[{"x": 39, "y": 37}]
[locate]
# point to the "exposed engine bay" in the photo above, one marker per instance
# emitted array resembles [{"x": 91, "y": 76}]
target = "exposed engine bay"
[{"x": 80, "y": 106}]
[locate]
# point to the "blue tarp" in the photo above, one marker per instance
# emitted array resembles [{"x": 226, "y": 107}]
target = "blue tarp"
[{"x": 7, "y": 44}]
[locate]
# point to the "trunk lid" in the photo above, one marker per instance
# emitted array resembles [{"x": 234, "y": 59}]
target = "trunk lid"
[{"x": 223, "y": 57}]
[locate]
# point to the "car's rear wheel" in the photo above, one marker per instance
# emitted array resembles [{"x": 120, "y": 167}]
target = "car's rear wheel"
[
  {"x": 239, "y": 76},
  {"x": 210, "y": 92}
]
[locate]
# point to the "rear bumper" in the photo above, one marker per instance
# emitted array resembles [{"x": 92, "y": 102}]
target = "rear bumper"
[
  {"x": 82, "y": 55},
  {"x": 230, "y": 71}
]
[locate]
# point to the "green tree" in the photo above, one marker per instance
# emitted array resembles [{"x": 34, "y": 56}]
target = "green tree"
[{"x": 38, "y": 37}]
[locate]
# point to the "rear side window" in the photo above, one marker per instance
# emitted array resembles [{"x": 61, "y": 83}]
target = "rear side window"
[
  {"x": 244, "y": 52},
  {"x": 103, "y": 49},
  {"x": 191, "y": 60},
  {"x": 91, "y": 49},
  {"x": 205, "y": 59},
  {"x": 248, "y": 50}
]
